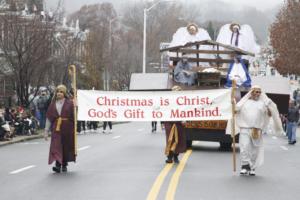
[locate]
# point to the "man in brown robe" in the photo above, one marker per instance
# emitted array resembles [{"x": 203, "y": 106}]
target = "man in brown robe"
[
  {"x": 175, "y": 138},
  {"x": 60, "y": 122}
]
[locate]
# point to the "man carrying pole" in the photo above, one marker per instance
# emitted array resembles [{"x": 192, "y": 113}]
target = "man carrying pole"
[
  {"x": 60, "y": 122},
  {"x": 253, "y": 113}
]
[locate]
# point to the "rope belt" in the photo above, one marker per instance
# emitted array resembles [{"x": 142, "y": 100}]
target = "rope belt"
[
  {"x": 256, "y": 133},
  {"x": 59, "y": 121},
  {"x": 173, "y": 135}
]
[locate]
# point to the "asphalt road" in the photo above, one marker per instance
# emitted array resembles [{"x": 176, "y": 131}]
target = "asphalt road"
[{"x": 129, "y": 165}]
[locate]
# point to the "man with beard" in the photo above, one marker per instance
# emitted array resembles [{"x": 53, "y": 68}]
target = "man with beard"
[
  {"x": 254, "y": 111},
  {"x": 183, "y": 73}
]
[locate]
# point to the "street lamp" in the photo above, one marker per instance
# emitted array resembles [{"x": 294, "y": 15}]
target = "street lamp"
[
  {"x": 145, "y": 30},
  {"x": 109, "y": 49},
  {"x": 110, "y": 31}
]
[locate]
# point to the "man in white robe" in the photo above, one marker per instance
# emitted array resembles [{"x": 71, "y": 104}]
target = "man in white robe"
[{"x": 253, "y": 113}]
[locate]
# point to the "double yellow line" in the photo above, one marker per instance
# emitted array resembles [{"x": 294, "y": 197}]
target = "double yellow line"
[{"x": 174, "y": 180}]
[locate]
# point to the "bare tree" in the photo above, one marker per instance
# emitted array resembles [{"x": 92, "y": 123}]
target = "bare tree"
[
  {"x": 26, "y": 45},
  {"x": 95, "y": 18}
]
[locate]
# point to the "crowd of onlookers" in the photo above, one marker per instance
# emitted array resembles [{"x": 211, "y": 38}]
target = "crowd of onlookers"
[{"x": 17, "y": 120}]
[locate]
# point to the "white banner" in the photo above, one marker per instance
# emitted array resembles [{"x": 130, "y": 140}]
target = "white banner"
[{"x": 154, "y": 106}]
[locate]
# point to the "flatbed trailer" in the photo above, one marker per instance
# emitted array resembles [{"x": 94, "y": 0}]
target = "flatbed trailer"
[{"x": 213, "y": 131}]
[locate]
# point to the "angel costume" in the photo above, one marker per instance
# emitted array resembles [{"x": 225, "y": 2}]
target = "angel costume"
[
  {"x": 182, "y": 37},
  {"x": 243, "y": 37},
  {"x": 252, "y": 117}
]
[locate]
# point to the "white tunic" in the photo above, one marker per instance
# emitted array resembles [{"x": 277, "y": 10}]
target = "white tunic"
[
  {"x": 58, "y": 104},
  {"x": 252, "y": 115}
]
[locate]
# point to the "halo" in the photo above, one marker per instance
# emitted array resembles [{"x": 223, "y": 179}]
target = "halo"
[
  {"x": 192, "y": 24},
  {"x": 234, "y": 24}
]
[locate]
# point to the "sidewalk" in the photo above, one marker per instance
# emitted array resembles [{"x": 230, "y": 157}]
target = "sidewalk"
[
  {"x": 22, "y": 138},
  {"x": 39, "y": 134}
]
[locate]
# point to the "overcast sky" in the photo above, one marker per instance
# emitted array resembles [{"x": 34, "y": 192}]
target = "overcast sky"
[
  {"x": 72, "y": 5},
  {"x": 259, "y": 4}
]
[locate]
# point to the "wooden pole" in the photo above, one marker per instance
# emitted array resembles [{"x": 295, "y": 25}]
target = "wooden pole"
[
  {"x": 233, "y": 123},
  {"x": 72, "y": 72}
]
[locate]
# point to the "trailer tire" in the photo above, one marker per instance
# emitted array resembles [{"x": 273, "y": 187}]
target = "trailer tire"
[
  {"x": 189, "y": 144},
  {"x": 225, "y": 146}
]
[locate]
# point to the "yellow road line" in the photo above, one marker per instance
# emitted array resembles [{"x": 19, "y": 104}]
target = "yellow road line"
[
  {"x": 175, "y": 178},
  {"x": 158, "y": 182}
]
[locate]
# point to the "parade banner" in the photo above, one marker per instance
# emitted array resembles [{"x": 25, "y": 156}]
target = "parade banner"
[{"x": 96, "y": 105}]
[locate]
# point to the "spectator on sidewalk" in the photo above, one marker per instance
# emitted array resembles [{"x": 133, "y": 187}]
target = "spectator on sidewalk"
[
  {"x": 9, "y": 117},
  {"x": 42, "y": 105},
  {"x": 292, "y": 122},
  {"x": 92, "y": 125},
  {"x": 4, "y": 128},
  {"x": 284, "y": 122},
  {"x": 296, "y": 96},
  {"x": 105, "y": 124},
  {"x": 154, "y": 125},
  {"x": 81, "y": 126}
]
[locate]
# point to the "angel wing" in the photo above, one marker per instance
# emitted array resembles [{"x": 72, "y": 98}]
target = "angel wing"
[
  {"x": 177, "y": 40},
  {"x": 179, "y": 37},
  {"x": 248, "y": 40},
  {"x": 224, "y": 35},
  {"x": 202, "y": 35},
  {"x": 182, "y": 36}
]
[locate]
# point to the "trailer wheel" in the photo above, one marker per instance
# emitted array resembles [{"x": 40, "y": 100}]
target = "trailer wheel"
[
  {"x": 189, "y": 143},
  {"x": 225, "y": 146}
]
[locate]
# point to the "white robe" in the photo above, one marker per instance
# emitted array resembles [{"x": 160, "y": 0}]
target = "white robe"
[
  {"x": 247, "y": 40},
  {"x": 252, "y": 115},
  {"x": 252, "y": 150},
  {"x": 238, "y": 73}
]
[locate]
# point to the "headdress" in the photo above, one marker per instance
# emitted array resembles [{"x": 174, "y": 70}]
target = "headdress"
[
  {"x": 62, "y": 88},
  {"x": 192, "y": 25},
  {"x": 255, "y": 87},
  {"x": 233, "y": 25}
]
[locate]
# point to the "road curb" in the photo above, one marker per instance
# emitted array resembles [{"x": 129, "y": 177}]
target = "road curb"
[{"x": 18, "y": 139}]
